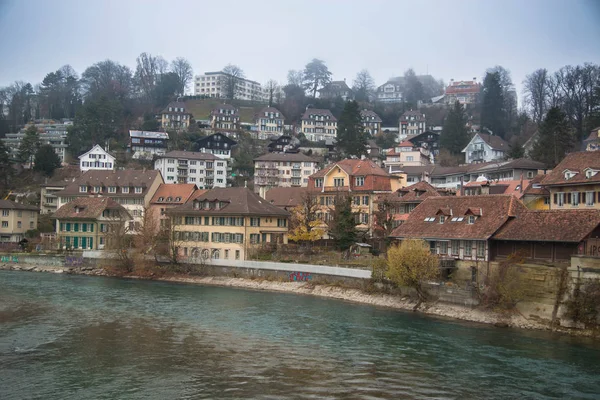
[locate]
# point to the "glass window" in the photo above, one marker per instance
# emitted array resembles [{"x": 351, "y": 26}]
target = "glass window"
[
  {"x": 443, "y": 248},
  {"x": 455, "y": 247},
  {"x": 481, "y": 248},
  {"x": 467, "y": 248}
]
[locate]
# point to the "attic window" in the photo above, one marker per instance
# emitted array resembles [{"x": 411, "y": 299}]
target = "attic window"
[
  {"x": 206, "y": 205},
  {"x": 169, "y": 198},
  {"x": 442, "y": 219},
  {"x": 161, "y": 199},
  {"x": 429, "y": 219},
  {"x": 590, "y": 172},
  {"x": 569, "y": 174},
  {"x": 471, "y": 220},
  {"x": 77, "y": 210},
  {"x": 177, "y": 198}
]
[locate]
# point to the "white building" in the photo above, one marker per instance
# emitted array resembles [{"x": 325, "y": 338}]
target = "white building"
[
  {"x": 96, "y": 158},
  {"x": 145, "y": 145},
  {"x": 54, "y": 135},
  {"x": 211, "y": 84},
  {"x": 485, "y": 148},
  {"x": 411, "y": 123},
  {"x": 319, "y": 124},
  {"x": 269, "y": 123},
  {"x": 282, "y": 170},
  {"x": 205, "y": 170}
]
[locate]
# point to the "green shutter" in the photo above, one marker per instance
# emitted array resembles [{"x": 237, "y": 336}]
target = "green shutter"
[
  {"x": 62, "y": 227},
  {"x": 76, "y": 227},
  {"x": 92, "y": 243},
  {"x": 91, "y": 227},
  {"x": 68, "y": 227},
  {"x": 83, "y": 227},
  {"x": 75, "y": 242},
  {"x": 83, "y": 242}
]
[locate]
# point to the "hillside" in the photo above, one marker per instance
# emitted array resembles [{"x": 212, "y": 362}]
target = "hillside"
[{"x": 201, "y": 108}]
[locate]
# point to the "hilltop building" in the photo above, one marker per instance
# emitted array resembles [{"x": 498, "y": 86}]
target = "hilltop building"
[
  {"x": 282, "y": 170},
  {"x": 212, "y": 84},
  {"x": 319, "y": 125},
  {"x": 205, "y": 170},
  {"x": 96, "y": 158},
  {"x": 145, "y": 145}
]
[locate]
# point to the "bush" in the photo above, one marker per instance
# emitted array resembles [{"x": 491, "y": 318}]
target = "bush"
[
  {"x": 584, "y": 304},
  {"x": 505, "y": 286}
]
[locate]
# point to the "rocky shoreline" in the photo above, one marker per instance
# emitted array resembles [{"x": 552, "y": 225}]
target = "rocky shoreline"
[{"x": 438, "y": 309}]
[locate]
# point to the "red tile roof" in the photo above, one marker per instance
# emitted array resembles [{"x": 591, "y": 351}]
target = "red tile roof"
[
  {"x": 415, "y": 193},
  {"x": 183, "y": 191},
  {"x": 89, "y": 208},
  {"x": 376, "y": 178},
  {"x": 512, "y": 187},
  {"x": 318, "y": 111},
  {"x": 285, "y": 197},
  {"x": 575, "y": 162}
]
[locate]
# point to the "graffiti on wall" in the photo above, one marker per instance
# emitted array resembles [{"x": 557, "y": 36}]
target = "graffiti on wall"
[
  {"x": 73, "y": 261},
  {"x": 9, "y": 259},
  {"x": 300, "y": 276}
]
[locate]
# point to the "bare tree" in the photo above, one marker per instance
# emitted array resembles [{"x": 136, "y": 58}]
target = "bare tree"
[
  {"x": 363, "y": 86},
  {"x": 183, "y": 69},
  {"x": 107, "y": 77},
  {"x": 295, "y": 77},
  {"x": 230, "y": 81},
  {"x": 536, "y": 91},
  {"x": 274, "y": 92},
  {"x": 148, "y": 72}
]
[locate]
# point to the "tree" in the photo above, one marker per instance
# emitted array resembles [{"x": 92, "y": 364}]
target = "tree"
[
  {"x": 294, "y": 103},
  {"x": 342, "y": 225},
  {"x": 410, "y": 264},
  {"x": 536, "y": 88},
  {"x": 413, "y": 90},
  {"x": 305, "y": 226},
  {"x": 183, "y": 69},
  {"x": 230, "y": 81},
  {"x": 29, "y": 144},
  {"x": 384, "y": 219},
  {"x": 363, "y": 86},
  {"x": 316, "y": 75},
  {"x": 386, "y": 140},
  {"x": 446, "y": 159},
  {"x": 107, "y": 78},
  {"x": 166, "y": 89},
  {"x": 148, "y": 72},
  {"x": 295, "y": 77},
  {"x": 555, "y": 139},
  {"x": 5, "y": 167},
  {"x": 274, "y": 91},
  {"x": 351, "y": 136},
  {"x": 46, "y": 160},
  {"x": 493, "y": 113},
  {"x": 455, "y": 136}
]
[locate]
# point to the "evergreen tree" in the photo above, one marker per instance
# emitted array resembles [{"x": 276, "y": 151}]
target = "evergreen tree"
[
  {"x": 493, "y": 105},
  {"x": 342, "y": 226},
  {"x": 46, "y": 160},
  {"x": 29, "y": 144},
  {"x": 316, "y": 75},
  {"x": 555, "y": 139},
  {"x": 454, "y": 136},
  {"x": 5, "y": 166},
  {"x": 351, "y": 136}
]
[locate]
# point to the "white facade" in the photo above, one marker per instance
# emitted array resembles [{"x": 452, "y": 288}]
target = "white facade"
[
  {"x": 96, "y": 158},
  {"x": 211, "y": 85},
  {"x": 282, "y": 170},
  {"x": 56, "y": 139},
  {"x": 202, "y": 169},
  {"x": 479, "y": 151},
  {"x": 319, "y": 125}
]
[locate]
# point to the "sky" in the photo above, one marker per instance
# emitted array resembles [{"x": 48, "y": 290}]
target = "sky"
[{"x": 457, "y": 39}]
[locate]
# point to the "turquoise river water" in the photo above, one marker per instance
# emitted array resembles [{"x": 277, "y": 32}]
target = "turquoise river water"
[{"x": 77, "y": 337}]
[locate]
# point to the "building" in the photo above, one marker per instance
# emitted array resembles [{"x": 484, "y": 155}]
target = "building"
[
  {"x": 269, "y": 123},
  {"x": 392, "y": 91},
  {"x": 170, "y": 195},
  {"x": 535, "y": 196},
  {"x": 281, "y": 144},
  {"x": 133, "y": 189},
  {"x": 575, "y": 182},
  {"x": 282, "y": 170},
  {"x": 485, "y": 148},
  {"x": 401, "y": 202},
  {"x": 374, "y": 152},
  {"x": 465, "y": 92},
  {"x": 174, "y": 116},
  {"x": 217, "y": 144},
  {"x": 411, "y": 123},
  {"x": 205, "y": 170},
  {"x": 286, "y": 197},
  {"x": 459, "y": 227},
  {"x": 427, "y": 140},
  {"x": 371, "y": 122},
  {"x": 227, "y": 224},
  {"x": 55, "y": 137},
  {"x": 592, "y": 143},
  {"x": 145, "y": 145},
  {"x": 225, "y": 117},
  {"x": 214, "y": 84},
  {"x": 363, "y": 180},
  {"x": 319, "y": 125},
  {"x": 96, "y": 158},
  {"x": 335, "y": 89},
  {"x": 406, "y": 154},
  {"x": 483, "y": 186},
  {"x": 15, "y": 220},
  {"x": 90, "y": 223},
  {"x": 48, "y": 198}
]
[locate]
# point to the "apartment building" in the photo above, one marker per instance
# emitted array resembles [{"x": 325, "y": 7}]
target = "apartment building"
[
  {"x": 371, "y": 122},
  {"x": 15, "y": 220},
  {"x": 319, "y": 125},
  {"x": 145, "y": 144},
  {"x": 465, "y": 92},
  {"x": 96, "y": 158},
  {"x": 411, "y": 123},
  {"x": 89, "y": 223},
  {"x": 175, "y": 116},
  {"x": 406, "y": 154},
  {"x": 48, "y": 197},
  {"x": 217, "y": 144},
  {"x": 282, "y": 170},
  {"x": 227, "y": 224},
  {"x": 205, "y": 170},
  {"x": 225, "y": 117},
  {"x": 269, "y": 123},
  {"x": 212, "y": 84},
  {"x": 56, "y": 138}
]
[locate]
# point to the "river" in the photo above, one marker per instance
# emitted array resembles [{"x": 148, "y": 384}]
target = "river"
[{"x": 79, "y": 337}]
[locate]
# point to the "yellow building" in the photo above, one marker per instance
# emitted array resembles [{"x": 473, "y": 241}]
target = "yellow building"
[
  {"x": 86, "y": 223},
  {"x": 174, "y": 116},
  {"x": 15, "y": 220},
  {"x": 536, "y": 197},
  {"x": 227, "y": 223}
]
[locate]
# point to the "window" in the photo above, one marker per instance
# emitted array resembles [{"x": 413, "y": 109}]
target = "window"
[
  {"x": 138, "y": 189},
  {"x": 443, "y": 248},
  {"x": 365, "y": 200},
  {"x": 481, "y": 248},
  {"x": 319, "y": 182},
  {"x": 589, "y": 198},
  {"x": 112, "y": 189},
  {"x": 455, "y": 247},
  {"x": 468, "y": 248},
  {"x": 364, "y": 219},
  {"x": 338, "y": 182},
  {"x": 254, "y": 221},
  {"x": 410, "y": 158},
  {"x": 82, "y": 189},
  {"x": 19, "y": 224},
  {"x": 281, "y": 222},
  {"x": 125, "y": 189},
  {"x": 5, "y": 213},
  {"x": 442, "y": 219},
  {"x": 237, "y": 254},
  {"x": 471, "y": 220},
  {"x": 574, "y": 198},
  {"x": 30, "y": 224},
  {"x": 254, "y": 238},
  {"x": 98, "y": 189},
  {"x": 559, "y": 199},
  {"x": 5, "y": 224},
  {"x": 360, "y": 181}
]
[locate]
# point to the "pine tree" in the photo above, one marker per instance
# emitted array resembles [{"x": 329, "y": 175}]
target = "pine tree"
[
  {"x": 555, "y": 139},
  {"x": 46, "y": 160},
  {"x": 29, "y": 144},
  {"x": 342, "y": 226},
  {"x": 5, "y": 166},
  {"x": 351, "y": 136},
  {"x": 493, "y": 105},
  {"x": 455, "y": 137}
]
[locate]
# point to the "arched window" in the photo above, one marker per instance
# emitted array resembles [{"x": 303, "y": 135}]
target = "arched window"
[
  {"x": 216, "y": 254},
  {"x": 196, "y": 253},
  {"x": 205, "y": 254}
]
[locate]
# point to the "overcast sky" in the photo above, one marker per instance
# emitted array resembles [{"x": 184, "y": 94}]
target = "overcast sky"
[{"x": 449, "y": 39}]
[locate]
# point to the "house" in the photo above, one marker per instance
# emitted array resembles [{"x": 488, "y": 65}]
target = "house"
[
  {"x": 483, "y": 186},
  {"x": 96, "y": 158},
  {"x": 535, "y": 196},
  {"x": 459, "y": 227},
  {"x": 413, "y": 174},
  {"x": 319, "y": 125},
  {"x": 217, "y": 144},
  {"x": 406, "y": 154},
  {"x": 374, "y": 152},
  {"x": 145, "y": 145},
  {"x": 227, "y": 224},
  {"x": 371, "y": 122},
  {"x": 335, "y": 89},
  {"x": 281, "y": 144},
  {"x": 411, "y": 123},
  {"x": 428, "y": 140},
  {"x": 403, "y": 201},
  {"x": 15, "y": 220},
  {"x": 592, "y": 143},
  {"x": 391, "y": 91},
  {"x": 48, "y": 198},
  {"x": 575, "y": 182},
  {"x": 465, "y": 92},
  {"x": 133, "y": 189},
  {"x": 282, "y": 170},
  {"x": 214, "y": 84},
  {"x": 485, "y": 148},
  {"x": 269, "y": 123},
  {"x": 204, "y": 170},
  {"x": 175, "y": 116},
  {"x": 225, "y": 117},
  {"x": 363, "y": 180},
  {"x": 549, "y": 236},
  {"x": 286, "y": 197},
  {"x": 170, "y": 195},
  {"x": 90, "y": 223}
]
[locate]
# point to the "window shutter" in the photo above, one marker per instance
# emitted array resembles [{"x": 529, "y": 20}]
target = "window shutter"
[
  {"x": 555, "y": 198},
  {"x": 569, "y": 197},
  {"x": 583, "y": 197}
]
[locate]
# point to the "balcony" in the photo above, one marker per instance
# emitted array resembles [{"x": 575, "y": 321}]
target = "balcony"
[
  {"x": 182, "y": 172},
  {"x": 297, "y": 166}
]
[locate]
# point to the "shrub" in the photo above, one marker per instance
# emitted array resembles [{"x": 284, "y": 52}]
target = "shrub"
[
  {"x": 505, "y": 286},
  {"x": 584, "y": 304}
]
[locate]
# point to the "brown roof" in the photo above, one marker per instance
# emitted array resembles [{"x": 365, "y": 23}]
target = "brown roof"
[
  {"x": 293, "y": 157},
  {"x": 495, "y": 142},
  {"x": 318, "y": 111},
  {"x": 13, "y": 205},
  {"x": 181, "y": 191},
  {"x": 121, "y": 178},
  {"x": 217, "y": 110},
  {"x": 190, "y": 155},
  {"x": 503, "y": 187},
  {"x": 197, "y": 193},
  {"x": 354, "y": 167},
  {"x": 415, "y": 193},
  {"x": 535, "y": 188},
  {"x": 285, "y": 197},
  {"x": 593, "y": 134},
  {"x": 420, "y": 116},
  {"x": 89, "y": 208},
  {"x": 370, "y": 114},
  {"x": 550, "y": 226},
  {"x": 175, "y": 104},
  {"x": 261, "y": 113},
  {"x": 575, "y": 162},
  {"x": 495, "y": 210},
  {"x": 240, "y": 201}
]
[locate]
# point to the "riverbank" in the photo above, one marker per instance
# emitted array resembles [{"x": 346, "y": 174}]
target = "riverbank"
[{"x": 438, "y": 309}]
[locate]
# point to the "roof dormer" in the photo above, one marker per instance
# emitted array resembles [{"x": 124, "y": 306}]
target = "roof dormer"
[
  {"x": 568, "y": 174},
  {"x": 474, "y": 211},
  {"x": 590, "y": 172}
]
